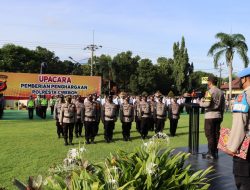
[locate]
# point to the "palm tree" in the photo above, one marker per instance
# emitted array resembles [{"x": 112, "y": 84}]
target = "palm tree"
[{"x": 227, "y": 45}]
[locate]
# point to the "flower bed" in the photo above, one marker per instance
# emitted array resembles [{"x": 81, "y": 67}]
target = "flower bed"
[{"x": 152, "y": 166}]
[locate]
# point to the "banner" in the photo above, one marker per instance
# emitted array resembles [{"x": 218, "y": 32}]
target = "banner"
[{"x": 22, "y": 85}]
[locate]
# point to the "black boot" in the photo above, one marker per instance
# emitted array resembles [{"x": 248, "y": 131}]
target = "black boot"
[
  {"x": 70, "y": 142},
  {"x": 66, "y": 142},
  {"x": 92, "y": 141},
  {"x": 87, "y": 141}
]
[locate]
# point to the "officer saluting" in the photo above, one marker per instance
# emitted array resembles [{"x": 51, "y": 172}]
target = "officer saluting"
[
  {"x": 67, "y": 119},
  {"x": 109, "y": 114},
  {"x": 126, "y": 116},
  {"x": 90, "y": 117}
]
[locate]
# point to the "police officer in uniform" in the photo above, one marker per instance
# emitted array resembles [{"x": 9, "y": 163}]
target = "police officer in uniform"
[
  {"x": 240, "y": 129},
  {"x": 126, "y": 117},
  {"x": 109, "y": 114},
  {"x": 90, "y": 117},
  {"x": 145, "y": 111},
  {"x": 214, "y": 103},
  {"x": 160, "y": 115},
  {"x": 31, "y": 106},
  {"x": 44, "y": 106},
  {"x": 2, "y": 105},
  {"x": 98, "y": 107},
  {"x": 174, "y": 116},
  {"x": 56, "y": 116},
  {"x": 38, "y": 105},
  {"x": 79, "y": 117},
  {"x": 67, "y": 120},
  {"x": 52, "y": 103},
  {"x": 152, "y": 106},
  {"x": 137, "y": 113}
]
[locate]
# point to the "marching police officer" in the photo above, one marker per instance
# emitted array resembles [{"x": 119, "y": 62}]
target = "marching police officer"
[
  {"x": 214, "y": 103},
  {"x": 90, "y": 118},
  {"x": 31, "y": 106},
  {"x": 160, "y": 115},
  {"x": 174, "y": 115},
  {"x": 67, "y": 120},
  {"x": 126, "y": 117},
  {"x": 145, "y": 112},
  {"x": 109, "y": 114},
  {"x": 79, "y": 117},
  {"x": 57, "y": 111}
]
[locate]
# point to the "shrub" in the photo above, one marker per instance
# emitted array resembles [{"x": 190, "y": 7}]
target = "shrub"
[{"x": 153, "y": 166}]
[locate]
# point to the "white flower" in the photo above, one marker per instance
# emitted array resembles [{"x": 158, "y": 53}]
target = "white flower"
[
  {"x": 82, "y": 149},
  {"x": 151, "y": 168},
  {"x": 112, "y": 181}
]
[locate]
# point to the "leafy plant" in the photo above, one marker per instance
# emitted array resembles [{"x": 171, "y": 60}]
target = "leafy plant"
[{"x": 152, "y": 166}]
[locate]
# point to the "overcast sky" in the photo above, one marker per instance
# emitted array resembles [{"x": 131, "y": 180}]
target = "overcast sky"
[{"x": 147, "y": 28}]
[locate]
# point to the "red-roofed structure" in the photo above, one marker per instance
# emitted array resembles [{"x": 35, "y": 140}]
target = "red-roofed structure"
[{"x": 235, "y": 88}]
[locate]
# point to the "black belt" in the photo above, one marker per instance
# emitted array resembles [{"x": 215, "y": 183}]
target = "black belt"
[
  {"x": 89, "y": 116},
  {"x": 161, "y": 115},
  {"x": 111, "y": 117},
  {"x": 68, "y": 116}
]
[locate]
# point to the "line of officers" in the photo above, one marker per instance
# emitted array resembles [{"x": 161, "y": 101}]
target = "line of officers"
[
  {"x": 40, "y": 104},
  {"x": 148, "y": 115}
]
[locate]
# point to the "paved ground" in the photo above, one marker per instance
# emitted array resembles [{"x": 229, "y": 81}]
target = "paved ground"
[{"x": 223, "y": 176}]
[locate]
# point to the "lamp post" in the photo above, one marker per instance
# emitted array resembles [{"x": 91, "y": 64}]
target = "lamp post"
[
  {"x": 43, "y": 68},
  {"x": 92, "y": 48},
  {"x": 73, "y": 59}
]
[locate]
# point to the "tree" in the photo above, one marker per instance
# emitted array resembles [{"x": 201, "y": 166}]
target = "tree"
[
  {"x": 15, "y": 58},
  {"x": 103, "y": 67},
  {"x": 146, "y": 76},
  {"x": 195, "y": 81},
  {"x": 227, "y": 45},
  {"x": 181, "y": 66},
  {"x": 164, "y": 75},
  {"x": 124, "y": 66}
]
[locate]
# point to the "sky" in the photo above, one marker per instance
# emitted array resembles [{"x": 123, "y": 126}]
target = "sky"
[{"x": 147, "y": 28}]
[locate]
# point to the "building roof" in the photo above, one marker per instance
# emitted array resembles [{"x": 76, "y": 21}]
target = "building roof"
[{"x": 235, "y": 85}]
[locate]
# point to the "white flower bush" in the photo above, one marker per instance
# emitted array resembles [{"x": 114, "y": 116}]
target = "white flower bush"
[
  {"x": 74, "y": 156},
  {"x": 151, "y": 166}
]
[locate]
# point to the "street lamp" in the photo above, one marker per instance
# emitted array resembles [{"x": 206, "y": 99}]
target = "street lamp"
[
  {"x": 92, "y": 48},
  {"x": 73, "y": 59}
]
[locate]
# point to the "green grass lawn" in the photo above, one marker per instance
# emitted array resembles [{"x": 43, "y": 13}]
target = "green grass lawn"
[{"x": 30, "y": 147}]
